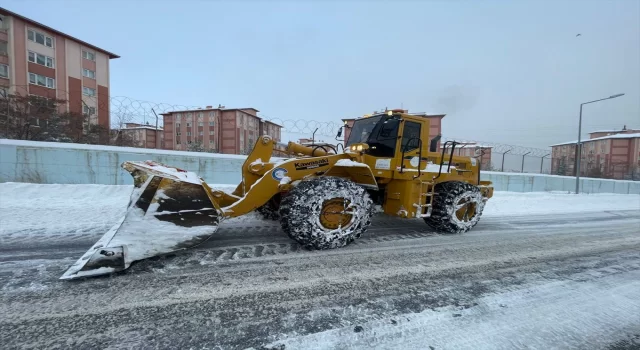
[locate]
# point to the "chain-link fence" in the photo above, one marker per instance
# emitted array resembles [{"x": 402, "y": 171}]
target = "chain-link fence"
[{"x": 22, "y": 109}]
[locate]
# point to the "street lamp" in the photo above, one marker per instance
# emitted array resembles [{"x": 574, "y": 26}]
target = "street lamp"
[{"x": 579, "y": 146}]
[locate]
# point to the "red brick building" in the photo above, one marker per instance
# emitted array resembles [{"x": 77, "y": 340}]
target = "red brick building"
[
  {"x": 221, "y": 130},
  {"x": 611, "y": 154},
  {"x": 144, "y": 135},
  {"x": 38, "y": 60}
]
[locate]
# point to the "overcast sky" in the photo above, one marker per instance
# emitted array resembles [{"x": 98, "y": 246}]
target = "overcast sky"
[{"x": 503, "y": 71}]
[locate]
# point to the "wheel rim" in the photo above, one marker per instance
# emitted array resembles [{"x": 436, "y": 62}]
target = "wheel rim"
[
  {"x": 334, "y": 214},
  {"x": 466, "y": 208}
]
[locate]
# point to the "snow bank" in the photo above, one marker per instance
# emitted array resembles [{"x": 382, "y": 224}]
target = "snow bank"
[
  {"x": 80, "y": 209},
  {"x": 517, "y": 203},
  {"x": 64, "y": 209}
]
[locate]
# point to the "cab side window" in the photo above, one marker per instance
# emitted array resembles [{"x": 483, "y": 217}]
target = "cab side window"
[{"x": 410, "y": 136}]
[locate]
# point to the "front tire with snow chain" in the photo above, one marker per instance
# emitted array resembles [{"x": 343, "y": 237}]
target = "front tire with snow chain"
[
  {"x": 326, "y": 212},
  {"x": 457, "y": 207}
]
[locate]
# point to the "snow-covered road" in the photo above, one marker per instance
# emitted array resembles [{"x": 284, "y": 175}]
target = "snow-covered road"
[{"x": 541, "y": 271}]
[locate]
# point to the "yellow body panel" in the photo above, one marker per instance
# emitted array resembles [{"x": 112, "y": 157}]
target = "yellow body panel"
[{"x": 407, "y": 179}]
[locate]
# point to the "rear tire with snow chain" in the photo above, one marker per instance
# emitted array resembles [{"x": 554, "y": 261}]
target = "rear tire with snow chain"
[
  {"x": 313, "y": 212},
  {"x": 457, "y": 207}
]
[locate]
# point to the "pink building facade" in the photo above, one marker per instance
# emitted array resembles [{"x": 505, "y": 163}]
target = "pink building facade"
[
  {"x": 38, "y": 60},
  {"x": 220, "y": 130},
  {"x": 611, "y": 154}
]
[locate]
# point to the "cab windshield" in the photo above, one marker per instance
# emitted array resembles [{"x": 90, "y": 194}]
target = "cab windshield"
[
  {"x": 362, "y": 129},
  {"x": 380, "y": 133}
]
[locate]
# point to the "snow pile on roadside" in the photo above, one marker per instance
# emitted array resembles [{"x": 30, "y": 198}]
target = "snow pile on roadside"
[
  {"x": 64, "y": 209},
  {"x": 81, "y": 209},
  {"x": 517, "y": 203}
]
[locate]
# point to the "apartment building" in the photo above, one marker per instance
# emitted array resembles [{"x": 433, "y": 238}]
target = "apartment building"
[
  {"x": 220, "y": 130},
  {"x": 613, "y": 154},
  {"x": 435, "y": 125},
  {"x": 144, "y": 135},
  {"x": 38, "y": 60}
]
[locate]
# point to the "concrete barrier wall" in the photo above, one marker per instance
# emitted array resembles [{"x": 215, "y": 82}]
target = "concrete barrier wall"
[
  {"x": 518, "y": 182},
  {"x": 62, "y": 163},
  {"x": 52, "y": 162}
]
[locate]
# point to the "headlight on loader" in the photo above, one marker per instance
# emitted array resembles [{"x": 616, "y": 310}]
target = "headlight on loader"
[{"x": 359, "y": 147}]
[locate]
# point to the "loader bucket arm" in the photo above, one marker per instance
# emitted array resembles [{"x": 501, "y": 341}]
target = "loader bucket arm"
[{"x": 169, "y": 210}]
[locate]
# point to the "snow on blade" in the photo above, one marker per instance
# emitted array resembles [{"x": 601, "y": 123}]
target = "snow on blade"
[{"x": 170, "y": 172}]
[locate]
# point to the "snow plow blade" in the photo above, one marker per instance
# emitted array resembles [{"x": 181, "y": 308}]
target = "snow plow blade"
[{"x": 169, "y": 210}]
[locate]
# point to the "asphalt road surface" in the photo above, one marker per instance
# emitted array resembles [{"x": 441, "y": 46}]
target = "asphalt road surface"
[{"x": 546, "y": 282}]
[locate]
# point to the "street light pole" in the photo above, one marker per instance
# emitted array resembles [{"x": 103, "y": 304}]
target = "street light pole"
[{"x": 579, "y": 145}]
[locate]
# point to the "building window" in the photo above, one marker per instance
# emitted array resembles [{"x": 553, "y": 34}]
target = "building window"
[
  {"x": 211, "y": 124},
  {"x": 89, "y": 73},
  {"x": 88, "y": 110},
  {"x": 88, "y": 91},
  {"x": 188, "y": 125},
  {"x": 40, "y": 38},
  {"x": 212, "y": 114},
  {"x": 211, "y": 132},
  {"x": 41, "y": 80},
  {"x": 177, "y": 141},
  {"x": 188, "y": 133},
  {"x": 189, "y": 142},
  {"x": 40, "y": 59},
  {"x": 4, "y": 48},
  {"x": 178, "y": 133},
  {"x": 177, "y": 125},
  {"x": 4, "y": 71},
  {"x": 201, "y": 133},
  {"x": 88, "y": 55}
]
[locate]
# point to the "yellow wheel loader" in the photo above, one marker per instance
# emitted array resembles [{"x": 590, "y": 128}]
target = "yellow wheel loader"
[{"x": 323, "y": 197}]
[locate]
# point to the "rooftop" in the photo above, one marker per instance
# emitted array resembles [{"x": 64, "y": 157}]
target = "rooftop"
[
  {"x": 209, "y": 108},
  {"x": 619, "y": 130},
  {"x": 29, "y": 20},
  {"x": 422, "y": 114},
  {"x": 616, "y": 136},
  {"x": 148, "y": 127}
]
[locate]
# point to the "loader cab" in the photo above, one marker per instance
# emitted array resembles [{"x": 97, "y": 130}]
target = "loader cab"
[{"x": 381, "y": 133}]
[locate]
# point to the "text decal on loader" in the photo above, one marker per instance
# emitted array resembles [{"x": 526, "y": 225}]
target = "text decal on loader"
[{"x": 310, "y": 165}]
